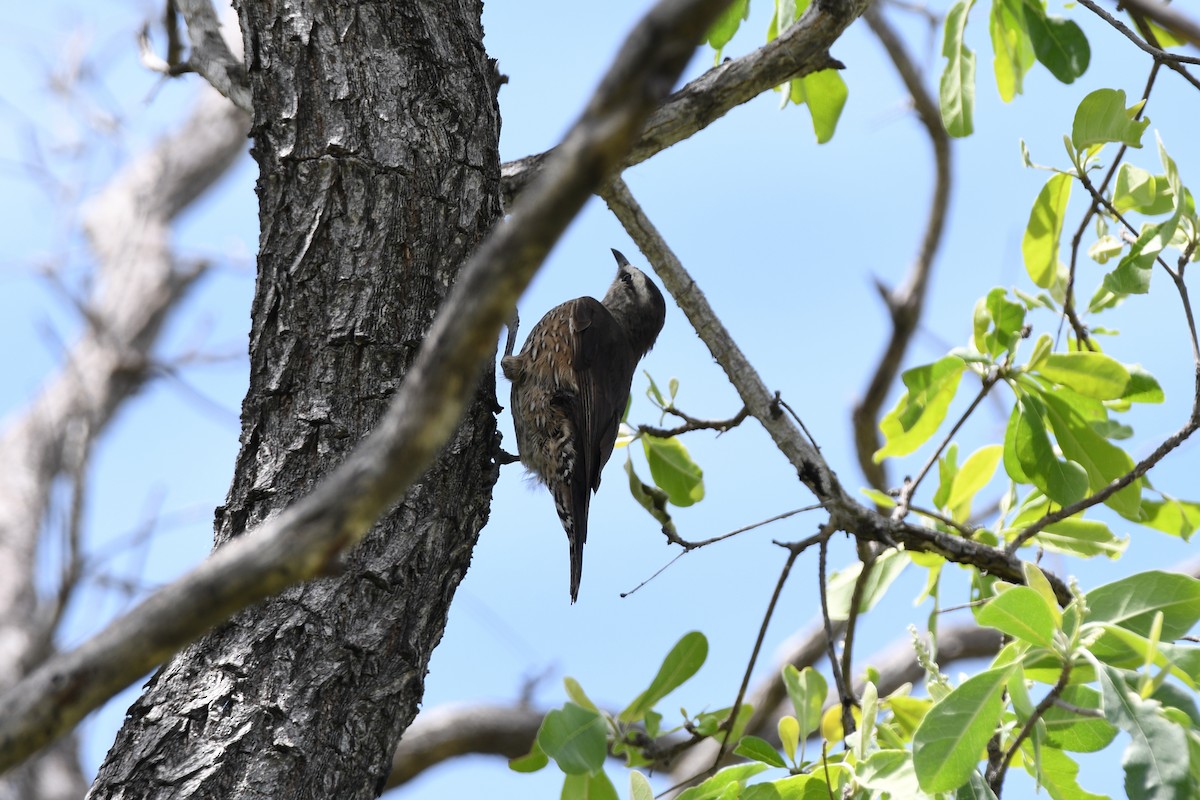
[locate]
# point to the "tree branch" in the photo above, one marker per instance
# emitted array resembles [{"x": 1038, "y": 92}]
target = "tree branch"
[
  {"x": 800, "y": 50},
  {"x": 1168, "y": 17},
  {"x": 905, "y": 303},
  {"x": 812, "y": 470}
]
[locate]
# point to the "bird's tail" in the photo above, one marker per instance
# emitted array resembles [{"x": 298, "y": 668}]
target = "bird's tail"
[{"x": 572, "y": 500}]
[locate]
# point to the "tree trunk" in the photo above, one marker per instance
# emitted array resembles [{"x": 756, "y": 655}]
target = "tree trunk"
[{"x": 376, "y": 133}]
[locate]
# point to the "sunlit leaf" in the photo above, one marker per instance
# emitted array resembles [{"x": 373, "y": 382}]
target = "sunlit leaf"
[
  {"x": 1044, "y": 230},
  {"x": 921, "y": 409},
  {"x": 1102, "y": 117},
  {"x": 1133, "y": 601},
  {"x": 953, "y": 735},
  {"x": 1011, "y": 45},
  {"x": 1021, "y": 613},
  {"x": 685, "y": 658},
  {"x": 726, "y": 26},
  {"x": 673, "y": 470},
  {"x": 957, "y": 89}
]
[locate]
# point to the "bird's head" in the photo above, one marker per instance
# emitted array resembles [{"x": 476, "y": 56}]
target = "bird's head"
[{"x": 637, "y": 304}]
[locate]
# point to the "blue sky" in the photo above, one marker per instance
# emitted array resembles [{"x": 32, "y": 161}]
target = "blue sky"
[{"x": 786, "y": 239}]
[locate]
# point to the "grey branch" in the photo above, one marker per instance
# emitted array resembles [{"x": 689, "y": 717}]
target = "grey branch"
[
  {"x": 211, "y": 57},
  {"x": 445, "y": 732},
  {"x": 905, "y": 303},
  {"x": 304, "y": 540},
  {"x": 136, "y": 284},
  {"x": 811, "y": 468},
  {"x": 1169, "y": 17},
  {"x": 801, "y": 49}
]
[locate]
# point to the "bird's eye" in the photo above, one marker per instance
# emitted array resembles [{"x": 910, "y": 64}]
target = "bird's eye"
[{"x": 627, "y": 277}]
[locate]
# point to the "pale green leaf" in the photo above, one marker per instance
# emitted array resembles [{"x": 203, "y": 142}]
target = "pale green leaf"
[
  {"x": 1101, "y": 117},
  {"x": 951, "y": 739},
  {"x": 1044, "y": 230},
  {"x": 957, "y": 88}
]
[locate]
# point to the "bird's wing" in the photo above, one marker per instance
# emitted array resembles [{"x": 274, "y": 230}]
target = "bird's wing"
[{"x": 603, "y": 370}]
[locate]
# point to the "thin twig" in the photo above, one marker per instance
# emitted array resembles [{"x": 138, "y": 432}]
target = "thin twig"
[
  {"x": 843, "y": 690},
  {"x": 690, "y": 546},
  {"x": 965, "y": 530},
  {"x": 1172, "y": 60},
  {"x": 693, "y": 424},
  {"x": 762, "y": 634},
  {"x": 905, "y": 303},
  {"x": 995, "y": 778},
  {"x": 867, "y": 557}
]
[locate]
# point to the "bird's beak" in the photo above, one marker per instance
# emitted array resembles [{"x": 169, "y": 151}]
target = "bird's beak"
[{"x": 622, "y": 261}]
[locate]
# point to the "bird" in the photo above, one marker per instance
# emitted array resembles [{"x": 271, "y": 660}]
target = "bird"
[{"x": 570, "y": 387}]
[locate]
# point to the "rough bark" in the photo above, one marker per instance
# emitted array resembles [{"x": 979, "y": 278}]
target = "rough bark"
[{"x": 376, "y": 133}]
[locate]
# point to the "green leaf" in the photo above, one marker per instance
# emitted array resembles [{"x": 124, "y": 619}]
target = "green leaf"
[
  {"x": 975, "y": 473},
  {"x": 1064, "y": 482},
  {"x": 1091, "y": 374},
  {"x": 1067, "y": 730},
  {"x": 975, "y": 789},
  {"x": 588, "y": 787},
  {"x": 1143, "y": 387},
  {"x": 889, "y": 771},
  {"x": 685, "y": 658},
  {"x": 1044, "y": 230},
  {"x": 908, "y": 711},
  {"x": 953, "y": 735},
  {"x": 577, "y": 695},
  {"x": 884, "y": 571},
  {"x": 807, "y": 690},
  {"x": 957, "y": 91},
  {"x": 726, "y": 26},
  {"x": 673, "y": 470},
  {"x": 1011, "y": 45},
  {"x": 1132, "y": 603},
  {"x": 789, "y": 734},
  {"x": 532, "y": 761},
  {"x": 1138, "y": 190},
  {"x": 575, "y": 738},
  {"x": 1103, "y": 461},
  {"x": 998, "y": 322},
  {"x": 825, "y": 94},
  {"x": 922, "y": 408},
  {"x": 797, "y": 787},
  {"x": 639, "y": 786},
  {"x": 1176, "y": 517},
  {"x": 1058, "y": 43},
  {"x": 730, "y": 776},
  {"x": 1120, "y": 647},
  {"x": 1021, "y": 613},
  {"x": 649, "y": 497},
  {"x": 947, "y": 472},
  {"x": 1056, "y": 771},
  {"x": 1102, "y": 117},
  {"x": 758, "y": 749},
  {"x": 1085, "y": 538},
  {"x": 1156, "y": 760}
]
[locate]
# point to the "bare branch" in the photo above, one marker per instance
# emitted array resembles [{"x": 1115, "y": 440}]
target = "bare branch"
[
  {"x": 905, "y": 303},
  {"x": 694, "y": 424},
  {"x": 211, "y": 56},
  {"x": 1169, "y": 17},
  {"x": 800, "y": 50},
  {"x": 811, "y": 468},
  {"x": 305, "y": 539},
  {"x": 441, "y": 733}
]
